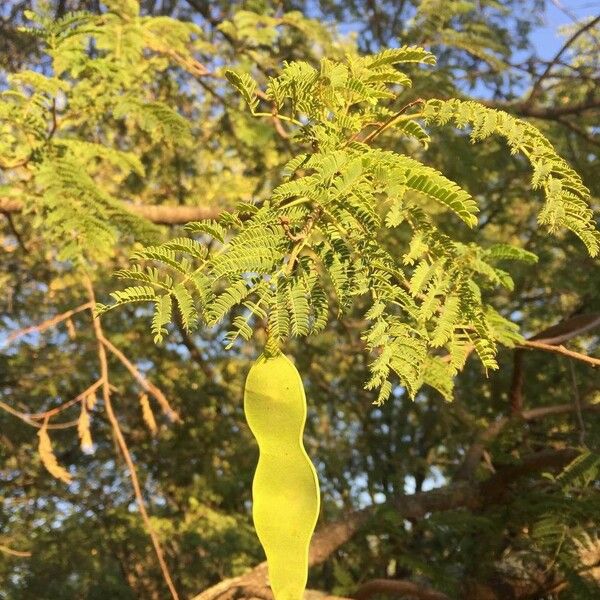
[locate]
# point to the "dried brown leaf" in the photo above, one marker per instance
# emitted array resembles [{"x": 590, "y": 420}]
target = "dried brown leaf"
[
  {"x": 83, "y": 429},
  {"x": 147, "y": 413},
  {"x": 90, "y": 401},
  {"x": 71, "y": 328},
  {"x": 47, "y": 456}
]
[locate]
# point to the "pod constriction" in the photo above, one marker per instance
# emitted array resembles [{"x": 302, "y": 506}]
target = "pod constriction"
[{"x": 285, "y": 490}]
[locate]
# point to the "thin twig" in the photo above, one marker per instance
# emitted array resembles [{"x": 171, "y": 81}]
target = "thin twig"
[
  {"x": 531, "y": 345},
  {"x": 571, "y": 16},
  {"x": 279, "y": 128},
  {"x": 391, "y": 120},
  {"x": 45, "y": 324},
  {"x": 139, "y": 498},
  {"x": 26, "y": 419},
  {"x": 20, "y": 415},
  {"x": 582, "y": 133},
  {"x": 54, "y": 411},
  {"x": 147, "y": 385},
  {"x": 32, "y": 418},
  {"x": 485, "y": 437},
  {"x": 537, "y": 85}
]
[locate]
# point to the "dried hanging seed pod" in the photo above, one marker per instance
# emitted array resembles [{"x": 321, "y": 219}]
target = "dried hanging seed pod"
[{"x": 285, "y": 489}]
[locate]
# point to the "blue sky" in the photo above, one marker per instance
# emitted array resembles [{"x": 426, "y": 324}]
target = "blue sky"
[{"x": 547, "y": 39}]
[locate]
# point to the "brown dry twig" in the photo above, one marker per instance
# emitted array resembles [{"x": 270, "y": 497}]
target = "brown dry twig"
[
  {"x": 146, "y": 385},
  {"x": 45, "y": 324},
  {"x": 33, "y": 418},
  {"x": 139, "y": 498}
]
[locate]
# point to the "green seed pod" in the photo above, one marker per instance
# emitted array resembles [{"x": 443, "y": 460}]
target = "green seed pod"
[{"x": 285, "y": 490}]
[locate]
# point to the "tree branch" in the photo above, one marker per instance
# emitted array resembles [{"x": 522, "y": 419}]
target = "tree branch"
[
  {"x": 515, "y": 395},
  {"x": 555, "y": 334},
  {"x": 582, "y": 133},
  {"x": 27, "y": 419},
  {"x": 551, "y": 113},
  {"x": 101, "y": 340},
  {"x": 12, "y": 552},
  {"x": 390, "y": 121},
  {"x": 146, "y": 385},
  {"x": 80, "y": 397},
  {"x": 195, "y": 353},
  {"x": 533, "y": 345},
  {"x": 15, "y": 232},
  {"x": 567, "y": 329},
  {"x": 160, "y": 214},
  {"x": 396, "y": 587},
  {"x": 411, "y": 506},
  {"x": 475, "y": 451},
  {"x": 45, "y": 324},
  {"x": 537, "y": 85}
]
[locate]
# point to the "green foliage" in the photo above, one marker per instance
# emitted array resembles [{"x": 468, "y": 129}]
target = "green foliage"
[
  {"x": 69, "y": 178},
  {"x": 567, "y": 199},
  {"x": 127, "y": 111},
  {"x": 246, "y": 86},
  {"x": 318, "y": 236}
]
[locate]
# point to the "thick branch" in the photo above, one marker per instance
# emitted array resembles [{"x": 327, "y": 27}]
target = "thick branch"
[
  {"x": 555, "y": 334},
  {"x": 414, "y": 506},
  {"x": 550, "y": 113},
  {"x": 580, "y": 131},
  {"x": 161, "y": 215},
  {"x": 556, "y": 112},
  {"x": 174, "y": 215},
  {"x": 567, "y": 329},
  {"x": 324, "y": 543},
  {"x": 494, "y": 489},
  {"x": 396, "y": 588}
]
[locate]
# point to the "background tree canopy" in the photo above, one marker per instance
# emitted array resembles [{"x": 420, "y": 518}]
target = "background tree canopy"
[{"x": 315, "y": 174}]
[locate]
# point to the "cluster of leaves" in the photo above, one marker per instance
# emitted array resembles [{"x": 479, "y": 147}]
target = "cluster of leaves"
[
  {"x": 62, "y": 170},
  {"x": 87, "y": 541},
  {"x": 276, "y": 263}
]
